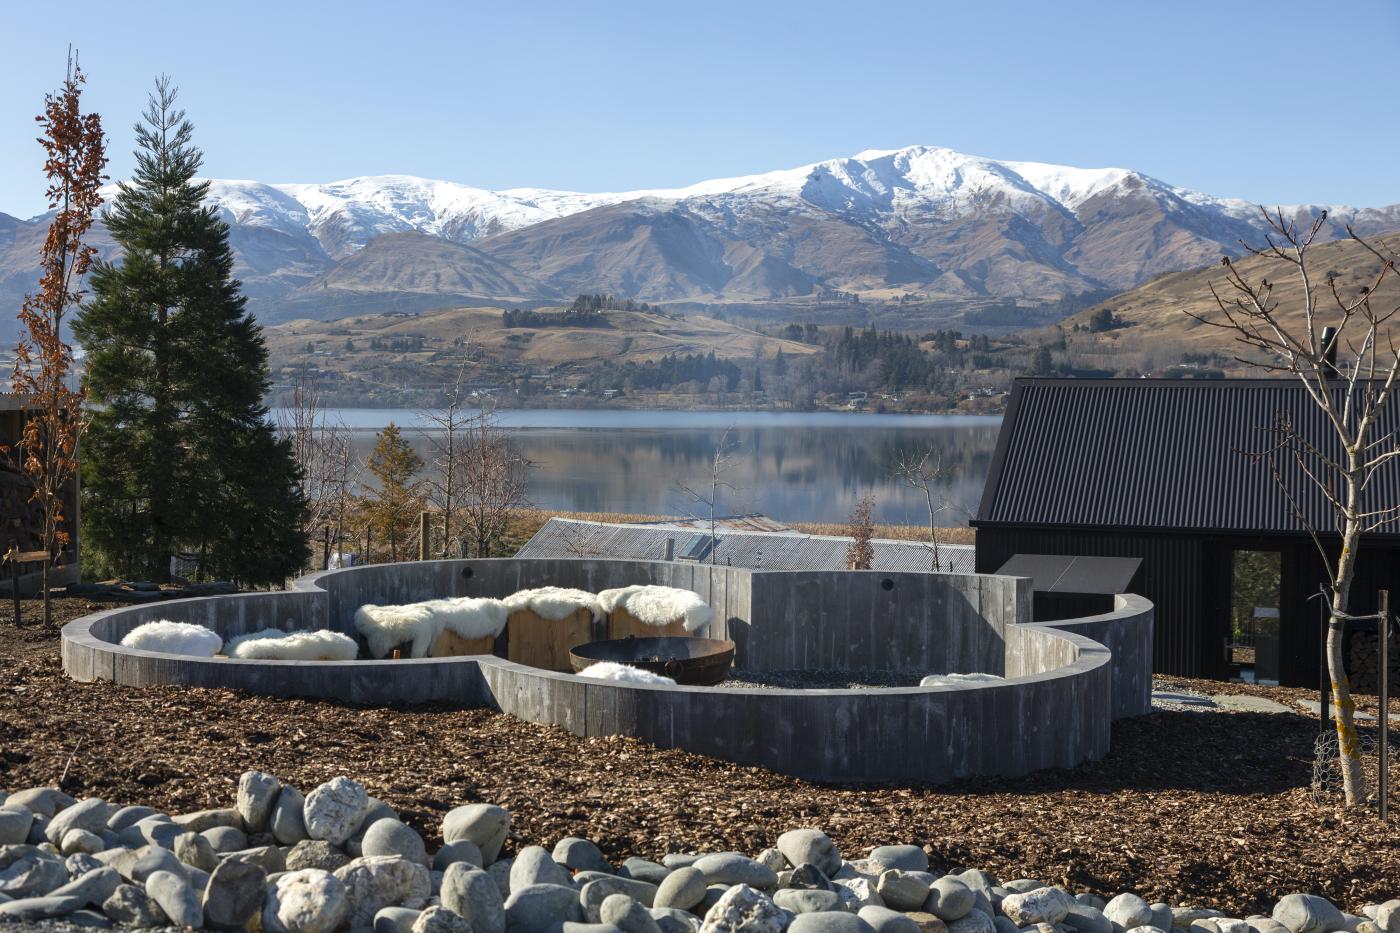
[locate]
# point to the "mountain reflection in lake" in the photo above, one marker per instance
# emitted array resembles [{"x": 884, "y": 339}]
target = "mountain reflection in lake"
[{"x": 791, "y": 466}]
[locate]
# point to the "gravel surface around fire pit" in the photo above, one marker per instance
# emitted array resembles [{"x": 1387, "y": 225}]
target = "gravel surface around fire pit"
[
  {"x": 819, "y": 680},
  {"x": 1188, "y": 807}
]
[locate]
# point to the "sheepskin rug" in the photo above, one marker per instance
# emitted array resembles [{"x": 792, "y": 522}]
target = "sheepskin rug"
[
  {"x": 554, "y": 602},
  {"x": 659, "y": 606},
  {"x": 622, "y": 673},
  {"x": 174, "y": 638},
  {"x": 387, "y": 627},
  {"x": 273, "y": 644},
  {"x": 957, "y": 680}
]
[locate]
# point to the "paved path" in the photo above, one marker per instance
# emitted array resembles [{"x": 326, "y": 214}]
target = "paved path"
[{"x": 1314, "y": 707}]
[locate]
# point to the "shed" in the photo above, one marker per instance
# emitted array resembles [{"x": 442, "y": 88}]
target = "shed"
[
  {"x": 1160, "y": 470},
  {"x": 19, "y": 518}
]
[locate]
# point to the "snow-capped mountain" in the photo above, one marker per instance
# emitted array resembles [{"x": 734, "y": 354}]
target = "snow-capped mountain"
[{"x": 921, "y": 220}]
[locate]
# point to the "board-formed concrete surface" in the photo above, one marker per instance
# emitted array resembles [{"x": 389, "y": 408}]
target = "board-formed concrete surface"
[{"x": 1066, "y": 681}]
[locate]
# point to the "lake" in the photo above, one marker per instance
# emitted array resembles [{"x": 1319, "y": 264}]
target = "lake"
[{"x": 793, "y": 466}]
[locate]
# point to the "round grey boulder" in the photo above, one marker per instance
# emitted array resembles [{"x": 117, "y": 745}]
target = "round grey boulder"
[
  {"x": 799, "y": 901},
  {"x": 534, "y": 865},
  {"x": 485, "y": 824},
  {"x": 905, "y": 858},
  {"x": 1308, "y": 913},
  {"x": 90, "y": 814},
  {"x": 627, "y": 914},
  {"x": 974, "y": 922},
  {"x": 581, "y": 855},
  {"x": 196, "y": 851},
  {"x": 645, "y": 870},
  {"x": 535, "y": 908},
  {"x": 949, "y": 900},
  {"x": 335, "y": 810},
  {"x": 438, "y": 919},
  {"x": 830, "y": 921},
  {"x": 812, "y": 846},
  {"x": 682, "y": 889},
  {"x": 41, "y": 801},
  {"x": 470, "y": 892},
  {"x": 15, "y": 821},
  {"x": 904, "y": 890},
  {"x": 234, "y": 895},
  {"x": 176, "y": 898},
  {"x": 395, "y": 920},
  {"x": 257, "y": 793},
  {"x": 226, "y": 839},
  {"x": 287, "y": 822},
  {"x": 81, "y": 841},
  {"x": 461, "y": 851},
  {"x": 884, "y": 920},
  {"x": 391, "y": 837},
  {"x": 592, "y": 895},
  {"x": 733, "y": 868},
  {"x": 317, "y": 854},
  {"x": 307, "y": 901},
  {"x": 1127, "y": 911},
  {"x": 671, "y": 920},
  {"x": 29, "y": 871}
]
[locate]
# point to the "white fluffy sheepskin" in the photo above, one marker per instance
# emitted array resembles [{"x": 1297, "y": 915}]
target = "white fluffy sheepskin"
[
  {"x": 273, "y": 644},
  {"x": 660, "y": 605},
  {"x": 611, "y": 670},
  {"x": 554, "y": 602},
  {"x": 174, "y": 638},
  {"x": 386, "y": 627},
  {"x": 957, "y": 680}
]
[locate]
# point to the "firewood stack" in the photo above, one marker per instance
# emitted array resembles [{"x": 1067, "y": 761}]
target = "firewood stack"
[{"x": 1364, "y": 662}]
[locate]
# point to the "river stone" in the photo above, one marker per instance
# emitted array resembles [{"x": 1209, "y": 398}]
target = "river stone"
[
  {"x": 1308, "y": 913},
  {"x": 534, "y": 865},
  {"x": 627, "y": 914},
  {"x": 829, "y": 921},
  {"x": 376, "y": 811},
  {"x": 92, "y": 888},
  {"x": 286, "y": 824},
  {"x": 392, "y": 837},
  {"x": 225, "y": 839},
  {"x": 950, "y": 900},
  {"x": 1162, "y": 916},
  {"x": 644, "y": 870},
  {"x": 812, "y": 846},
  {"x": 884, "y": 920},
  {"x": 742, "y": 908},
  {"x": 1091, "y": 900},
  {"x": 928, "y": 923},
  {"x": 440, "y": 920},
  {"x": 1147, "y": 929},
  {"x": 334, "y": 811},
  {"x": 1258, "y": 924},
  {"x": 774, "y": 860},
  {"x": 201, "y": 820},
  {"x": 234, "y": 895},
  {"x": 731, "y": 868},
  {"x": 1387, "y": 916},
  {"x": 1086, "y": 919},
  {"x": 856, "y": 893},
  {"x": 1127, "y": 911},
  {"x": 90, "y": 814},
  {"x": 807, "y": 877},
  {"x": 675, "y": 860},
  {"x": 470, "y": 892},
  {"x": 129, "y": 906},
  {"x": 257, "y": 794},
  {"x": 81, "y": 863},
  {"x": 315, "y": 853},
  {"x": 376, "y": 881},
  {"x": 129, "y": 816},
  {"x": 535, "y": 908},
  {"x": 671, "y": 920},
  {"x": 581, "y": 855},
  {"x": 29, "y": 871},
  {"x": 306, "y": 901},
  {"x": 974, "y": 922},
  {"x": 810, "y": 901},
  {"x": 904, "y": 890},
  {"x": 682, "y": 889},
  {"x": 151, "y": 859},
  {"x": 500, "y": 873},
  {"x": 176, "y": 898},
  {"x": 395, "y": 920},
  {"x": 41, "y": 801},
  {"x": 592, "y": 895},
  {"x": 461, "y": 851},
  {"x": 15, "y": 821},
  {"x": 29, "y": 909},
  {"x": 83, "y": 841},
  {"x": 485, "y": 824},
  {"x": 194, "y": 850},
  {"x": 1042, "y": 905},
  {"x": 905, "y": 858}
]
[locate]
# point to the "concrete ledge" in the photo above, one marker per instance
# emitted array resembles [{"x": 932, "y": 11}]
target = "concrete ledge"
[{"x": 1054, "y": 710}]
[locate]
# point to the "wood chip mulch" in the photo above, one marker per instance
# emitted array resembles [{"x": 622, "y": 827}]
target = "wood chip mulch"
[{"x": 1199, "y": 808}]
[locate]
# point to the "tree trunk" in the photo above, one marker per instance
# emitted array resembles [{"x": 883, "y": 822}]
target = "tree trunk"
[
  {"x": 48, "y": 607},
  {"x": 1344, "y": 707}
]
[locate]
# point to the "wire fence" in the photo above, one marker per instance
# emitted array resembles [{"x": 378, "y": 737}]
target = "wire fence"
[{"x": 1327, "y": 764}]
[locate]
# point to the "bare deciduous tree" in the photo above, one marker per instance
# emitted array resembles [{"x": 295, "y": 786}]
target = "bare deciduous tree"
[
  {"x": 861, "y": 529},
  {"x": 325, "y": 454},
  {"x": 446, "y": 487},
  {"x": 923, "y": 471},
  {"x": 495, "y": 481},
  {"x": 1351, "y": 394},
  {"x": 709, "y": 498},
  {"x": 47, "y": 452}
]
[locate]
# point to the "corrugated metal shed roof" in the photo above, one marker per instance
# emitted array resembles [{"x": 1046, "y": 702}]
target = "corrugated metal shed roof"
[
  {"x": 564, "y": 537},
  {"x": 1161, "y": 454},
  {"x": 751, "y": 522}
]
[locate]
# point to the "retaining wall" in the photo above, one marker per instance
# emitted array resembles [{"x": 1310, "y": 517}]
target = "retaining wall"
[{"x": 1054, "y": 710}]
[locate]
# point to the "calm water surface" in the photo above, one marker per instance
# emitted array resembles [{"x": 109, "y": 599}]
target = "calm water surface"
[{"x": 794, "y": 466}]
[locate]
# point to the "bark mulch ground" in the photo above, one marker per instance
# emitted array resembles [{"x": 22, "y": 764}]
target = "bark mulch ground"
[{"x": 1205, "y": 808}]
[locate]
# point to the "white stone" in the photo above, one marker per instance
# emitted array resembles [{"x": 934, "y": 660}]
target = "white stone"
[
  {"x": 307, "y": 901},
  {"x": 335, "y": 810}
]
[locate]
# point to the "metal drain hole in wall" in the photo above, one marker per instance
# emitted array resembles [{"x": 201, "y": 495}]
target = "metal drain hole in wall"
[
  {"x": 466, "y": 573},
  {"x": 887, "y": 584}
]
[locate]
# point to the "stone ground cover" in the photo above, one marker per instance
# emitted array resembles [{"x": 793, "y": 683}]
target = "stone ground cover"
[{"x": 1209, "y": 808}]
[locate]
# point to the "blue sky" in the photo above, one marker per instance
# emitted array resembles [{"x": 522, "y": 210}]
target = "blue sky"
[{"x": 1280, "y": 101}]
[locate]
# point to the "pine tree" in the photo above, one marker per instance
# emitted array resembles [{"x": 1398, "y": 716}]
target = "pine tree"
[
  {"x": 180, "y": 456},
  {"x": 393, "y": 508}
]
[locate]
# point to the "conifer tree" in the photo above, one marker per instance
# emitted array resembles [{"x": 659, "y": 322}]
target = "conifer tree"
[
  {"x": 393, "y": 507},
  {"x": 180, "y": 457}
]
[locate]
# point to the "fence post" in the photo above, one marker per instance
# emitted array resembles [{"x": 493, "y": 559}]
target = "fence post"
[{"x": 1383, "y": 712}]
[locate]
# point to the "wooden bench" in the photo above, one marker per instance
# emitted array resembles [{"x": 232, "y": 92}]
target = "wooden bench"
[{"x": 16, "y": 560}]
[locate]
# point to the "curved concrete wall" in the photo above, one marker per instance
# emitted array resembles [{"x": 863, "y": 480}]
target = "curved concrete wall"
[{"x": 1055, "y": 709}]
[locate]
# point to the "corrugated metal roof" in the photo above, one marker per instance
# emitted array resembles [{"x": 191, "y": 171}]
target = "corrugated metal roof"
[
  {"x": 1162, "y": 454},
  {"x": 563, "y": 537},
  {"x": 751, "y": 522}
]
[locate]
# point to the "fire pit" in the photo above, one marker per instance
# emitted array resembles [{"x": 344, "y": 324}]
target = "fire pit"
[{"x": 700, "y": 662}]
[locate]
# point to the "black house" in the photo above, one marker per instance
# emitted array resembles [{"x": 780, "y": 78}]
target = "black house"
[{"x": 1167, "y": 471}]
